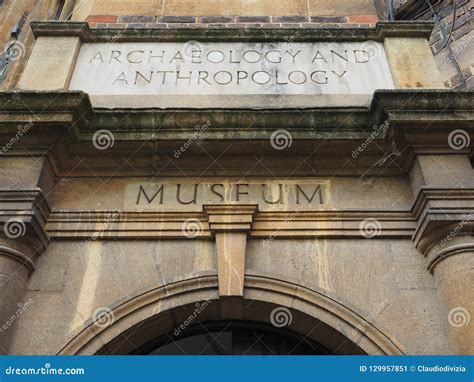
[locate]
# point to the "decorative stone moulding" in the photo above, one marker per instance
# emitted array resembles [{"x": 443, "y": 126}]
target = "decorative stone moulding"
[
  {"x": 229, "y": 34},
  {"x": 445, "y": 223}
]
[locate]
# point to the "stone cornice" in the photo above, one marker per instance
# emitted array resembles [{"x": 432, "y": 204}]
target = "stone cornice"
[
  {"x": 410, "y": 108},
  {"x": 232, "y": 34},
  {"x": 26, "y": 212},
  {"x": 439, "y": 212}
]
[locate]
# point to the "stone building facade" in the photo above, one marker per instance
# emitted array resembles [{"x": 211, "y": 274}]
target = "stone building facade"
[{"x": 234, "y": 177}]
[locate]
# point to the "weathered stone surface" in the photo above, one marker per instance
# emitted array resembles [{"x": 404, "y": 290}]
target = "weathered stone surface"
[
  {"x": 85, "y": 8},
  {"x": 412, "y": 64},
  {"x": 235, "y": 7},
  {"x": 50, "y": 55},
  {"x": 337, "y": 8},
  {"x": 373, "y": 269},
  {"x": 231, "y": 248},
  {"x": 366, "y": 290},
  {"x": 454, "y": 277},
  {"x": 227, "y": 7}
]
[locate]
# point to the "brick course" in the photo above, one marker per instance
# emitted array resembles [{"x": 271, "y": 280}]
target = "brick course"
[{"x": 134, "y": 21}]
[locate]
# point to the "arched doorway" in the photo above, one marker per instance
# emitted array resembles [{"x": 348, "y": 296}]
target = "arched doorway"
[
  {"x": 290, "y": 316},
  {"x": 233, "y": 338}
]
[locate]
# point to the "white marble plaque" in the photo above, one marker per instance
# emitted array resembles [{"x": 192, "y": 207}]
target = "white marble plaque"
[{"x": 184, "y": 71}]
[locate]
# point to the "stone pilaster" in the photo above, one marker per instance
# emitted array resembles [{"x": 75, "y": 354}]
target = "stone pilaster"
[
  {"x": 16, "y": 264},
  {"x": 22, "y": 239},
  {"x": 445, "y": 212},
  {"x": 450, "y": 253}
]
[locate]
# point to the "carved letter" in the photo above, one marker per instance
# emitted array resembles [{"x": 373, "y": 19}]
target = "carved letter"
[
  {"x": 138, "y": 74},
  {"x": 293, "y": 56},
  {"x": 277, "y": 59},
  {"x": 300, "y": 190},
  {"x": 98, "y": 56},
  {"x": 129, "y": 56},
  {"x": 122, "y": 78},
  {"x": 152, "y": 56},
  {"x": 232, "y": 61},
  {"x": 223, "y": 82},
  {"x": 333, "y": 54},
  {"x": 150, "y": 200},
  {"x": 318, "y": 56},
  {"x": 239, "y": 76},
  {"x": 362, "y": 60},
  {"x": 294, "y": 73},
  {"x": 280, "y": 197},
  {"x": 277, "y": 79},
  {"x": 203, "y": 76},
  {"x": 213, "y": 190},
  {"x": 178, "y": 77},
  {"x": 177, "y": 56},
  {"x": 178, "y": 195},
  {"x": 238, "y": 192},
  {"x": 195, "y": 56},
  {"x": 114, "y": 55},
  {"x": 318, "y": 81},
  {"x": 339, "y": 75}
]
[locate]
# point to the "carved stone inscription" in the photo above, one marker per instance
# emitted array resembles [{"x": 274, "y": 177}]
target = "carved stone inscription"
[
  {"x": 231, "y": 68},
  {"x": 192, "y": 196}
]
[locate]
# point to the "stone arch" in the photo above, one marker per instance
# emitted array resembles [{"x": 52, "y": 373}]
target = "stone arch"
[{"x": 154, "y": 312}]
